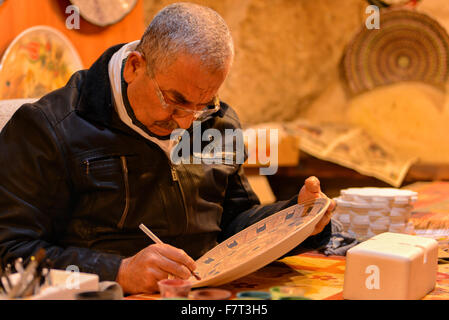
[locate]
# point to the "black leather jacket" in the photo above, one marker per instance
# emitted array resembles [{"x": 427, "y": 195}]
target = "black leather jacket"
[{"x": 77, "y": 181}]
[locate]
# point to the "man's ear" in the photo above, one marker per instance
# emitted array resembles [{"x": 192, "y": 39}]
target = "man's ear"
[{"x": 135, "y": 64}]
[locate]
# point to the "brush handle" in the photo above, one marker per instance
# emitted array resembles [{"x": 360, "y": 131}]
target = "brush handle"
[
  {"x": 150, "y": 234},
  {"x": 157, "y": 240}
]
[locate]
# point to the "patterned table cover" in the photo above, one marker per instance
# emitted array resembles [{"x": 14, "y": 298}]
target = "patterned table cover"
[{"x": 321, "y": 277}]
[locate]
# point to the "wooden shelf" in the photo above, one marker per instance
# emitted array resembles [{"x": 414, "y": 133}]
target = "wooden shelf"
[
  {"x": 289, "y": 179},
  {"x": 309, "y": 166}
]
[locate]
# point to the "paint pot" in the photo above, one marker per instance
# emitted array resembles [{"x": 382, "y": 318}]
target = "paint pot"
[
  {"x": 280, "y": 292},
  {"x": 210, "y": 294},
  {"x": 294, "y": 298},
  {"x": 172, "y": 288},
  {"x": 253, "y": 295},
  {"x": 95, "y": 295}
]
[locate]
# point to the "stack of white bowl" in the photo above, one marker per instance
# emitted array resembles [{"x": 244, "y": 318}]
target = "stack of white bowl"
[{"x": 365, "y": 212}]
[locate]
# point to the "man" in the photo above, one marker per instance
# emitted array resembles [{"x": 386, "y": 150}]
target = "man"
[{"x": 82, "y": 167}]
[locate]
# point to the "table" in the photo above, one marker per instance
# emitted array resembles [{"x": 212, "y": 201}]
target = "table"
[{"x": 321, "y": 277}]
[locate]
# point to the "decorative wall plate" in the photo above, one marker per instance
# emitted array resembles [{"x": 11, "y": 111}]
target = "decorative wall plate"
[
  {"x": 104, "y": 12},
  {"x": 393, "y": 3},
  {"x": 409, "y": 46},
  {"x": 259, "y": 244},
  {"x": 39, "y": 60}
]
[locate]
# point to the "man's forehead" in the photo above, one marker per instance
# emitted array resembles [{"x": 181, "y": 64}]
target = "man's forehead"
[
  {"x": 186, "y": 79},
  {"x": 204, "y": 99}
]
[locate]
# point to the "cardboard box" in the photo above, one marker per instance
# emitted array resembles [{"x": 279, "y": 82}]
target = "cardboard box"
[
  {"x": 391, "y": 266},
  {"x": 287, "y": 155}
]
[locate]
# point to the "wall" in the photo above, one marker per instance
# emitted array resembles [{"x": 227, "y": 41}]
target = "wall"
[
  {"x": 286, "y": 52},
  {"x": 286, "y": 67},
  {"x": 90, "y": 40}
]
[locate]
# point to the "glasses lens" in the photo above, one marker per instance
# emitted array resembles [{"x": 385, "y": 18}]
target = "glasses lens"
[{"x": 182, "y": 113}]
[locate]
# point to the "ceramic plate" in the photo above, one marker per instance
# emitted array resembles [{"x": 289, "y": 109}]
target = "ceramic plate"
[
  {"x": 39, "y": 60},
  {"x": 259, "y": 244},
  {"x": 104, "y": 12}
]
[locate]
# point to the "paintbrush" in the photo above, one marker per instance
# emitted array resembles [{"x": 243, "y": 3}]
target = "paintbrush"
[
  {"x": 157, "y": 240},
  {"x": 30, "y": 270},
  {"x": 2, "y": 286},
  {"x": 7, "y": 274}
]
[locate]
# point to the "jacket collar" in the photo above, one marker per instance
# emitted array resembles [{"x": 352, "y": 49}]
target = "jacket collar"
[{"x": 95, "y": 102}]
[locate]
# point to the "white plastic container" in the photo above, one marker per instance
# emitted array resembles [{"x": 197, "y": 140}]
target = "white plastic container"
[{"x": 391, "y": 266}]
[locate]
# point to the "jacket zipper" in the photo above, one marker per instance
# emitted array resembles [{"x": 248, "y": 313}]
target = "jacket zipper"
[
  {"x": 175, "y": 178},
  {"x": 87, "y": 167},
  {"x": 121, "y": 223}
]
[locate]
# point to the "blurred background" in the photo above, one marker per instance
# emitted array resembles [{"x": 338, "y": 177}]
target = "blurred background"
[{"x": 304, "y": 67}]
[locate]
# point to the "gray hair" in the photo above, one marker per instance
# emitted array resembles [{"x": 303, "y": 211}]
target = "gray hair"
[{"x": 187, "y": 28}]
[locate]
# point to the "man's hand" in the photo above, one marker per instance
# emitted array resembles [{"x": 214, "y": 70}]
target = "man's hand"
[
  {"x": 311, "y": 190},
  {"x": 141, "y": 272}
]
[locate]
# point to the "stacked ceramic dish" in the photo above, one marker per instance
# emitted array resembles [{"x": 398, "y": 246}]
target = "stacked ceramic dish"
[{"x": 365, "y": 212}]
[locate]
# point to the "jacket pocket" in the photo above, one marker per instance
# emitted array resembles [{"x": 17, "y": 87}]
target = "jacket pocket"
[
  {"x": 127, "y": 195},
  {"x": 106, "y": 189}
]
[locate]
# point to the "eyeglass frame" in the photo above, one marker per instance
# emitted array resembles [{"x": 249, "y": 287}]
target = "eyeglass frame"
[{"x": 197, "y": 114}]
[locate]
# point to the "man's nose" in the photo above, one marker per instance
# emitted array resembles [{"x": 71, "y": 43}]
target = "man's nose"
[{"x": 184, "y": 122}]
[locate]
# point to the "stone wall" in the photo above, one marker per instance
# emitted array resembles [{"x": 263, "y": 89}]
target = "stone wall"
[
  {"x": 286, "y": 67},
  {"x": 286, "y": 52}
]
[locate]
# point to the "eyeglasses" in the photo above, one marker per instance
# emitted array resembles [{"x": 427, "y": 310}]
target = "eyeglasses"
[{"x": 181, "y": 112}]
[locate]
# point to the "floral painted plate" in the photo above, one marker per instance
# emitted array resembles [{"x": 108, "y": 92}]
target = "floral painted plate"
[{"x": 39, "y": 60}]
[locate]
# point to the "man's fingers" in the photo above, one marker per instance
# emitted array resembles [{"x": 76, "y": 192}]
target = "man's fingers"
[
  {"x": 176, "y": 255},
  {"x": 326, "y": 217},
  {"x": 310, "y": 190},
  {"x": 312, "y": 184},
  {"x": 332, "y": 206},
  {"x": 322, "y": 223},
  {"x": 174, "y": 268},
  {"x": 158, "y": 274}
]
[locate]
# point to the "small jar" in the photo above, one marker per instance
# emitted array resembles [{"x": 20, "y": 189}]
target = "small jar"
[
  {"x": 397, "y": 227},
  {"x": 378, "y": 210},
  {"x": 360, "y": 220},
  {"x": 360, "y": 212},
  {"x": 345, "y": 195},
  {"x": 401, "y": 210},
  {"x": 342, "y": 212},
  {"x": 338, "y": 208}
]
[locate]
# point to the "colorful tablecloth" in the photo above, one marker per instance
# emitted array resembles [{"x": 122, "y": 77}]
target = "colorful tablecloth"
[
  {"x": 321, "y": 277},
  {"x": 431, "y": 211}
]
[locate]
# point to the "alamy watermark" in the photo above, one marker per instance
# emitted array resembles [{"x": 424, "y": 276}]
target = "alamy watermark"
[
  {"x": 73, "y": 20},
  {"x": 73, "y": 279},
  {"x": 229, "y": 149},
  {"x": 373, "y": 20}
]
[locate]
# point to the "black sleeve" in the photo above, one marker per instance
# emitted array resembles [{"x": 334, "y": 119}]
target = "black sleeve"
[{"x": 36, "y": 198}]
